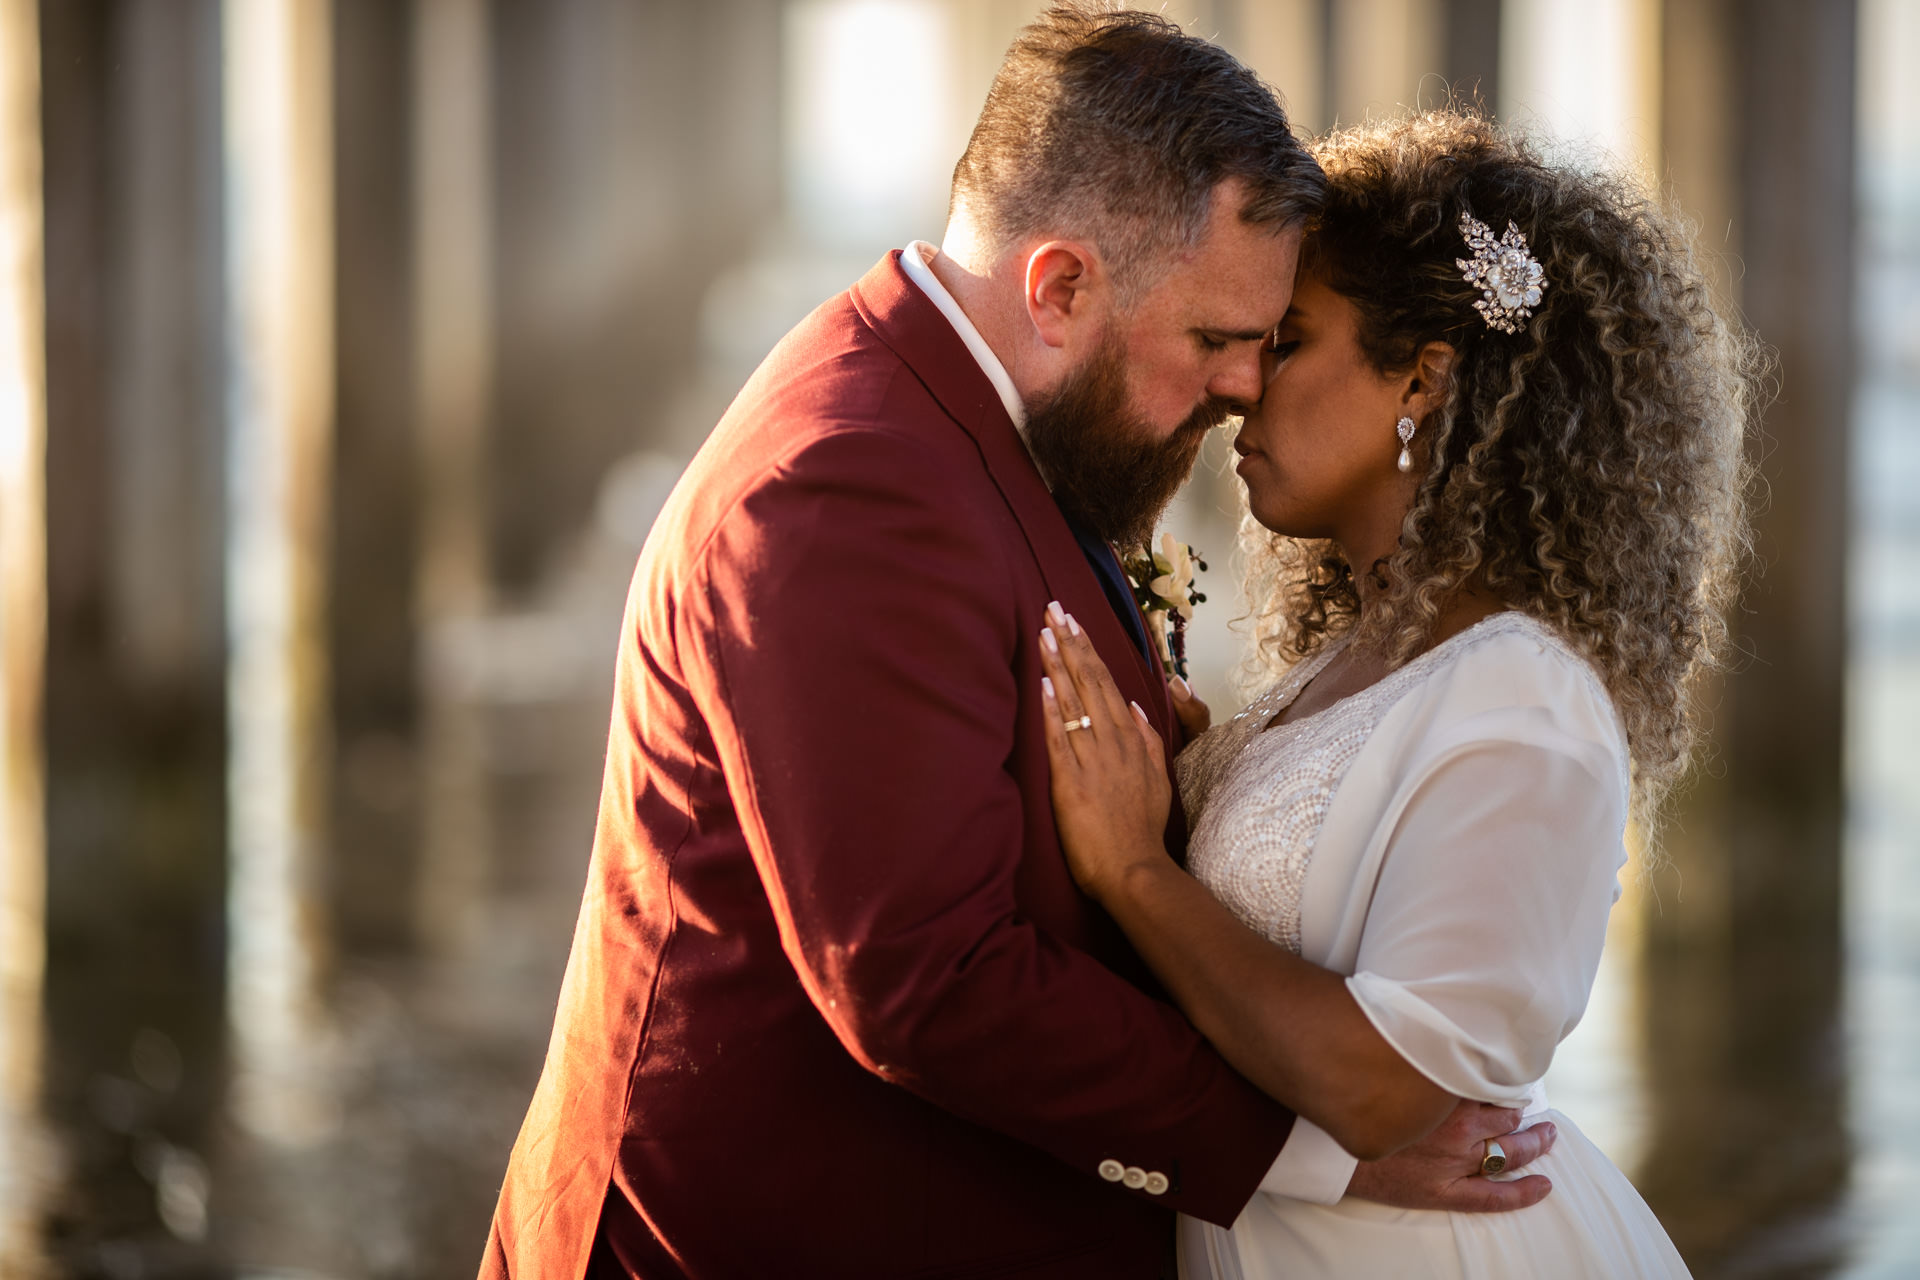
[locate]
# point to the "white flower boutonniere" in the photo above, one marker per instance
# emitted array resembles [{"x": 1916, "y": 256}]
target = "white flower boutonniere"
[{"x": 1163, "y": 588}]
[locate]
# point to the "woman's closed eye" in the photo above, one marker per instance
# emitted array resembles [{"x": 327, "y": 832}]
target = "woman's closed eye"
[{"x": 1274, "y": 353}]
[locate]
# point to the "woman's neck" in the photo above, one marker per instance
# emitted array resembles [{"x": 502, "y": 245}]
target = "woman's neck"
[
  {"x": 1465, "y": 605},
  {"x": 1367, "y": 557}
]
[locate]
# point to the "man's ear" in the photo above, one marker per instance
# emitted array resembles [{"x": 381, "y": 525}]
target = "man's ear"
[
  {"x": 1063, "y": 283},
  {"x": 1431, "y": 380}
]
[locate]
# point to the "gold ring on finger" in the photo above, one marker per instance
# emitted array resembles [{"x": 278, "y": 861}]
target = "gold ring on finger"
[
  {"x": 1495, "y": 1160},
  {"x": 1084, "y": 722}
]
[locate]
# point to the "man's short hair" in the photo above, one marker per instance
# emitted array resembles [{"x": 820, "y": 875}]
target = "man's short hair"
[{"x": 1115, "y": 127}]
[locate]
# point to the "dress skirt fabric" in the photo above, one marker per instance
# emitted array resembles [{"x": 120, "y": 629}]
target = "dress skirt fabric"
[{"x": 1594, "y": 1226}]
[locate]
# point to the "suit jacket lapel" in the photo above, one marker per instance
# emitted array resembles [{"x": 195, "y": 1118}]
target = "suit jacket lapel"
[{"x": 907, "y": 321}]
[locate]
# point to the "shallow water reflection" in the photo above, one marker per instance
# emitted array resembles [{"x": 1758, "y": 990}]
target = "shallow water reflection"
[{"x": 375, "y": 1147}]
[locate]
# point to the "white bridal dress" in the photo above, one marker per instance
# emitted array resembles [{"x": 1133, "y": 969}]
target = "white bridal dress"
[{"x": 1451, "y": 839}]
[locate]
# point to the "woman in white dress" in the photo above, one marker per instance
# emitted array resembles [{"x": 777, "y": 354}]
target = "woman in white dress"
[{"x": 1496, "y": 489}]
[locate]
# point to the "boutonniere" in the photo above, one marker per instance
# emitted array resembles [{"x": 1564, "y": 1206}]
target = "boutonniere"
[{"x": 1163, "y": 588}]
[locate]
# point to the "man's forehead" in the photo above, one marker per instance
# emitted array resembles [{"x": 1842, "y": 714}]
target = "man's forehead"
[
  {"x": 1237, "y": 281},
  {"x": 1236, "y": 304}
]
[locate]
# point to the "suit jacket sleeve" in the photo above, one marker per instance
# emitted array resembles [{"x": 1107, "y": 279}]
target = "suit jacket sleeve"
[{"x": 857, "y": 650}]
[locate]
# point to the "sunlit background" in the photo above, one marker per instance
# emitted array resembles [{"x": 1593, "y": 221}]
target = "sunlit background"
[{"x": 347, "y": 351}]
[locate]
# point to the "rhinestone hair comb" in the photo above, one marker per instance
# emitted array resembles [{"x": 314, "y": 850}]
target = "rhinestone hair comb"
[{"x": 1505, "y": 271}]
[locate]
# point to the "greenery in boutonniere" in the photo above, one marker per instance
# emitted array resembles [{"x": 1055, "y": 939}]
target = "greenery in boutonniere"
[{"x": 1163, "y": 588}]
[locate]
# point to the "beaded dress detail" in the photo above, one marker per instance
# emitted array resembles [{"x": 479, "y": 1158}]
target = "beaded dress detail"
[{"x": 1257, "y": 796}]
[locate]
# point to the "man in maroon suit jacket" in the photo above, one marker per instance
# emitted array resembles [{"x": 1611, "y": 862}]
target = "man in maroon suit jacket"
[{"x": 834, "y": 1006}]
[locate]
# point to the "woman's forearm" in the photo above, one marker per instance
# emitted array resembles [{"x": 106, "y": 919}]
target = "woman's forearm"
[{"x": 1286, "y": 1024}]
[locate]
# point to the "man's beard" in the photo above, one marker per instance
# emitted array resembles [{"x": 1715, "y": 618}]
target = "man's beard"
[{"x": 1110, "y": 471}]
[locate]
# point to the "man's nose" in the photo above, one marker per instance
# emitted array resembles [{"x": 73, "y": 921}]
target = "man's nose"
[{"x": 1239, "y": 379}]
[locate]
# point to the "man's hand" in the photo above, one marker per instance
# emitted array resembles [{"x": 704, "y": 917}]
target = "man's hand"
[{"x": 1442, "y": 1170}]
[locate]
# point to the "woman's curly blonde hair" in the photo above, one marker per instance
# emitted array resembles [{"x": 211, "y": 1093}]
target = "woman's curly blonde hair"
[{"x": 1589, "y": 469}]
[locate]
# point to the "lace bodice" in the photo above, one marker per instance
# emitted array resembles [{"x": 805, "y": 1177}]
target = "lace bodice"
[{"x": 1256, "y": 796}]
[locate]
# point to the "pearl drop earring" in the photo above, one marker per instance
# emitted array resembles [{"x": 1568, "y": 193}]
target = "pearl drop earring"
[{"x": 1405, "y": 429}]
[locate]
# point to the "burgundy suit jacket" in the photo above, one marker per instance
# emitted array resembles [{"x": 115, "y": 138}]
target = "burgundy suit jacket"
[{"x": 834, "y": 1006}]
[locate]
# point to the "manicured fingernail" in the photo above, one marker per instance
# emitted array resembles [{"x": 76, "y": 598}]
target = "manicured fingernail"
[
  {"x": 1137, "y": 711},
  {"x": 1056, "y": 615},
  {"x": 1072, "y": 626},
  {"x": 1046, "y": 638},
  {"x": 1180, "y": 689},
  {"x": 1046, "y": 687}
]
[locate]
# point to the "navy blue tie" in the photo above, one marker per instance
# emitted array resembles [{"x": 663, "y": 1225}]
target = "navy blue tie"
[{"x": 1106, "y": 567}]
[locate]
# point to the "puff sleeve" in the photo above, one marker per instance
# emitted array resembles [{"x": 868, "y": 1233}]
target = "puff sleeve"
[{"x": 1485, "y": 929}]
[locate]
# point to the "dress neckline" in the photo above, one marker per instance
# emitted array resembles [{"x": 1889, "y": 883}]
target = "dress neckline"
[{"x": 1271, "y": 707}]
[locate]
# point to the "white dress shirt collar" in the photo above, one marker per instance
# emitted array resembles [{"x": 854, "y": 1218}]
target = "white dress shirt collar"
[{"x": 915, "y": 260}]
